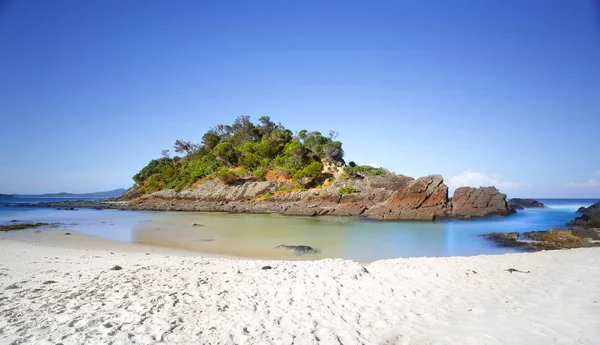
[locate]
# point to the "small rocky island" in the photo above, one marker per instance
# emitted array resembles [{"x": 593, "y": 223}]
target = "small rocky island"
[
  {"x": 583, "y": 231},
  {"x": 5, "y": 196},
  {"x": 266, "y": 168},
  {"x": 520, "y": 204}
]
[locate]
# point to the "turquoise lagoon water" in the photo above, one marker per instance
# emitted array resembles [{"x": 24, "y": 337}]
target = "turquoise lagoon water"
[{"x": 335, "y": 237}]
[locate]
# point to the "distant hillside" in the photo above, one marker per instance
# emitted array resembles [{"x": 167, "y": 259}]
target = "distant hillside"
[
  {"x": 5, "y": 196},
  {"x": 109, "y": 194}
]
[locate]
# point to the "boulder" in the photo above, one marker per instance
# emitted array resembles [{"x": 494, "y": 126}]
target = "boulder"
[
  {"x": 425, "y": 198},
  {"x": 525, "y": 203},
  {"x": 593, "y": 210},
  {"x": 469, "y": 203},
  {"x": 298, "y": 249},
  {"x": 507, "y": 239},
  {"x": 590, "y": 217}
]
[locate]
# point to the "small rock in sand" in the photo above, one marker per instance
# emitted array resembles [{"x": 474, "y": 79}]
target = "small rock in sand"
[
  {"x": 267, "y": 267},
  {"x": 298, "y": 249},
  {"x": 49, "y": 282},
  {"x": 67, "y": 233},
  {"x": 197, "y": 225},
  {"x": 116, "y": 268},
  {"x": 12, "y": 287}
]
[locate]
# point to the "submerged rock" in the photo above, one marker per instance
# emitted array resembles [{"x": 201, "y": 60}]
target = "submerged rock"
[
  {"x": 23, "y": 226},
  {"x": 503, "y": 237},
  {"x": 299, "y": 249}
]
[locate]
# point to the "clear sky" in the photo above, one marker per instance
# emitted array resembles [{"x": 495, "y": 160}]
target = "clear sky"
[{"x": 501, "y": 92}]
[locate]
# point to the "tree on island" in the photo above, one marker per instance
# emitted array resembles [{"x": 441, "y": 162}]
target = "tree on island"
[{"x": 249, "y": 151}]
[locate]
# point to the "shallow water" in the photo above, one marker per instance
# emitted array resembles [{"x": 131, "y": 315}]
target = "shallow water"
[{"x": 335, "y": 237}]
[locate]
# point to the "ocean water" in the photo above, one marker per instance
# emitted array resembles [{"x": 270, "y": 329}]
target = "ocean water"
[{"x": 335, "y": 237}]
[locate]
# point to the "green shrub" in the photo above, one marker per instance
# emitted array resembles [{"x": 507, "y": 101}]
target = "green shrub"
[
  {"x": 242, "y": 172},
  {"x": 226, "y": 176},
  {"x": 153, "y": 184},
  {"x": 312, "y": 171},
  {"x": 225, "y": 152},
  {"x": 259, "y": 173},
  {"x": 364, "y": 170},
  {"x": 204, "y": 166},
  {"x": 284, "y": 188},
  {"x": 348, "y": 190}
]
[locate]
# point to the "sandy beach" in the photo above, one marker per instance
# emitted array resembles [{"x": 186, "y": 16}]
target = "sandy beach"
[{"x": 61, "y": 292}]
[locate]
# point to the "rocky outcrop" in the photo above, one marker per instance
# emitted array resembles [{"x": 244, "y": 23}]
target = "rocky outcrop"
[
  {"x": 468, "y": 203},
  {"x": 585, "y": 232},
  {"x": 590, "y": 217},
  {"x": 392, "y": 197},
  {"x": 130, "y": 194},
  {"x": 425, "y": 198},
  {"x": 593, "y": 210},
  {"x": 518, "y": 203},
  {"x": 557, "y": 238}
]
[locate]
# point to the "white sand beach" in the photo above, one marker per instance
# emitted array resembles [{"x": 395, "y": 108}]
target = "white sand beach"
[{"x": 60, "y": 294}]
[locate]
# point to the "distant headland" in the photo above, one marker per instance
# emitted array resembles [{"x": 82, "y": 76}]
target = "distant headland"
[{"x": 107, "y": 194}]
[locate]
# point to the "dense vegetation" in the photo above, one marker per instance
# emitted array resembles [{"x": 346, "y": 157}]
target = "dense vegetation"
[{"x": 244, "y": 150}]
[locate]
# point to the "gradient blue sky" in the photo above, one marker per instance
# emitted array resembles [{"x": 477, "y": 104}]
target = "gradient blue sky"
[{"x": 502, "y": 92}]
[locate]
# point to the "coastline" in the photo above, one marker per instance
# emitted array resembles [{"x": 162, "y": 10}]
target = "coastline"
[
  {"x": 393, "y": 197},
  {"x": 71, "y": 295}
]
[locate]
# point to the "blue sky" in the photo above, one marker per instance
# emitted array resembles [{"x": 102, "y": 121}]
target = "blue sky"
[{"x": 482, "y": 92}]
